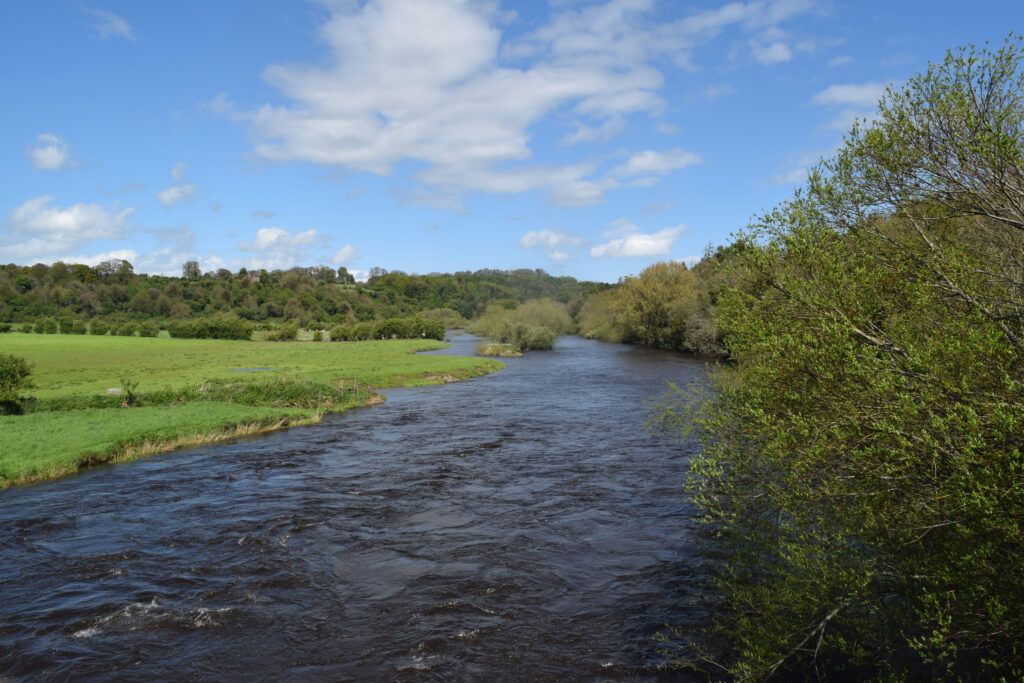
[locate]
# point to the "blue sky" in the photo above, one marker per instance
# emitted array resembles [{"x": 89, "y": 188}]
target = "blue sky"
[{"x": 586, "y": 138}]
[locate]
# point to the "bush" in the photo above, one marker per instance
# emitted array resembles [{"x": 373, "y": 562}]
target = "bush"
[
  {"x": 148, "y": 329},
  {"x": 126, "y": 330},
  {"x": 98, "y": 327},
  {"x": 14, "y": 377},
  {"x": 391, "y": 328},
  {"x": 5, "y": 327},
  {"x": 318, "y": 336},
  {"x": 66, "y": 325},
  {"x": 222, "y": 327},
  {"x": 287, "y": 332},
  {"x": 78, "y": 327},
  {"x": 46, "y": 326}
]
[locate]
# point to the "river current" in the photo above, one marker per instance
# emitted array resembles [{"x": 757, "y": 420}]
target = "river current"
[{"x": 522, "y": 525}]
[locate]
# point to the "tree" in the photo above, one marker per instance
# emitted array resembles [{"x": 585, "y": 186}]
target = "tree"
[
  {"x": 863, "y": 453},
  {"x": 190, "y": 270}
]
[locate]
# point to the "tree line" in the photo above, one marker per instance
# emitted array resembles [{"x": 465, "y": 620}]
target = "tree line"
[{"x": 319, "y": 296}]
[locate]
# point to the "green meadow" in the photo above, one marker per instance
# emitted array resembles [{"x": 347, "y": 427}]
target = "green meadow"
[{"x": 191, "y": 391}]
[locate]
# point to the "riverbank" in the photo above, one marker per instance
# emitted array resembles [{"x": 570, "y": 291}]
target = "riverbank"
[{"x": 192, "y": 392}]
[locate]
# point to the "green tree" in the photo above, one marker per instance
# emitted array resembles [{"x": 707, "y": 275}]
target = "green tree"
[{"x": 863, "y": 464}]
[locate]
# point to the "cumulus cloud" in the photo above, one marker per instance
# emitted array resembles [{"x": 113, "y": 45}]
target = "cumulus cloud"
[
  {"x": 651, "y": 162},
  {"x": 71, "y": 224},
  {"x": 110, "y": 25},
  {"x": 279, "y": 248},
  {"x": 432, "y": 81},
  {"x": 129, "y": 255},
  {"x": 180, "y": 192},
  {"x": 50, "y": 153},
  {"x": 634, "y": 243},
  {"x": 554, "y": 243},
  {"x": 345, "y": 255}
]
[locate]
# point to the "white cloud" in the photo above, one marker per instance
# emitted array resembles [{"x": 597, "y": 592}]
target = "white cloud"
[
  {"x": 840, "y": 60},
  {"x": 176, "y": 194},
  {"x": 651, "y": 162},
  {"x": 850, "y": 94},
  {"x": 602, "y": 133},
  {"x": 773, "y": 53},
  {"x": 110, "y": 25},
  {"x": 277, "y": 248},
  {"x": 638, "y": 244},
  {"x": 432, "y": 82},
  {"x": 345, "y": 255},
  {"x": 554, "y": 243},
  {"x": 851, "y": 101},
  {"x": 50, "y": 153},
  {"x": 181, "y": 191},
  {"x": 548, "y": 238},
  {"x": 72, "y": 224},
  {"x": 129, "y": 255}
]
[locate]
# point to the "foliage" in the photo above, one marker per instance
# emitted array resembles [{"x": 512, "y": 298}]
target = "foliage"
[
  {"x": 863, "y": 463},
  {"x": 14, "y": 378},
  {"x": 500, "y": 350},
  {"x": 46, "y": 326},
  {"x": 220, "y": 327},
  {"x": 315, "y": 296},
  {"x": 79, "y": 327},
  {"x": 392, "y": 328},
  {"x": 287, "y": 332},
  {"x": 98, "y": 327},
  {"x": 148, "y": 328},
  {"x": 5, "y": 327},
  {"x": 531, "y": 325},
  {"x": 666, "y": 306}
]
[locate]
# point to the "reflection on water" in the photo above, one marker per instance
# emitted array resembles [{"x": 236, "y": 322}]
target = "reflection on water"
[{"x": 524, "y": 524}]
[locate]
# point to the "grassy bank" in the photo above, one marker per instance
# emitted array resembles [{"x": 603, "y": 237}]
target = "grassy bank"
[{"x": 191, "y": 392}]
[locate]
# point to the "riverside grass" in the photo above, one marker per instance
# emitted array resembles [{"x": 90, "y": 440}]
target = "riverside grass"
[{"x": 72, "y": 369}]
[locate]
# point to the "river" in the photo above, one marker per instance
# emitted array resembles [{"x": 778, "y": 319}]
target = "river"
[{"x": 522, "y": 525}]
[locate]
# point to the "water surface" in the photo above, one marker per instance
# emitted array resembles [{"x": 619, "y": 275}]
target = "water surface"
[{"x": 520, "y": 525}]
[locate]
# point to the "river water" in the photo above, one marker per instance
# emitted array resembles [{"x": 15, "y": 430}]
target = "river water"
[{"x": 523, "y": 525}]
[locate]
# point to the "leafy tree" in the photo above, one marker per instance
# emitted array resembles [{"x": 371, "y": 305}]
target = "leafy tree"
[
  {"x": 190, "y": 270},
  {"x": 863, "y": 462}
]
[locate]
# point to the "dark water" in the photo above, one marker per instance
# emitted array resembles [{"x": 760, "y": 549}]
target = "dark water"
[{"x": 521, "y": 525}]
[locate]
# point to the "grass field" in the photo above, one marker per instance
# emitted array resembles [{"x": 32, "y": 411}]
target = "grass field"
[
  {"x": 44, "y": 445},
  {"x": 71, "y": 364}
]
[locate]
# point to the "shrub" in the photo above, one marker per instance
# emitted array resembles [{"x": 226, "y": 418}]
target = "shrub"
[
  {"x": 318, "y": 336},
  {"x": 5, "y": 327},
  {"x": 287, "y": 332},
  {"x": 46, "y": 326},
  {"x": 126, "y": 330},
  {"x": 98, "y": 327},
  {"x": 14, "y": 377},
  {"x": 66, "y": 325},
  {"x": 78, "y": 327},
  {"x": 148, "y": 329},
  {"x": 221, "y": 327}
]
